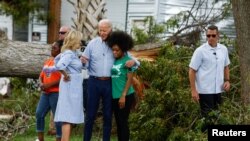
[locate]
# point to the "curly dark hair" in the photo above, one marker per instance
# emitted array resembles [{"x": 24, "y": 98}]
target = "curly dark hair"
[{"x": 121, "y": 39}]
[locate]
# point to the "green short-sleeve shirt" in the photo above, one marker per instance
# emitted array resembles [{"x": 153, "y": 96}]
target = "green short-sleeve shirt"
[{"x": 119, "y": 77}]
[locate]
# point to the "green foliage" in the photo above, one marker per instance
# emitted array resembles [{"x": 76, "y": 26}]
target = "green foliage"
[
  {"x": 140, "y": 36},
  {"x": 167, "y": 112},
  {"x": 234, "y": 65},
  {"x": 31, "y": 134},
  {"x": 180, "y": 134},
  {"x": 226, "y": 8},
  {"x": 167, "y": 101},
  {"x": 150, "y": 32},
  {"x": 24, "y": 98},
  {"x": 175, "y": 21}
]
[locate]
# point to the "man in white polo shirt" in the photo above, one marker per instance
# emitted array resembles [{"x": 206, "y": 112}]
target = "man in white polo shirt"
[{"x": 209, "y": 72}]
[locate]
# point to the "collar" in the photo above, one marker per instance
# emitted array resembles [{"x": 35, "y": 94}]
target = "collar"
[{"x": 212, "y": 48}]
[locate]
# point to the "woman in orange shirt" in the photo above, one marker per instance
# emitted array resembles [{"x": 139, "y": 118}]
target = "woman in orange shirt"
[{"x": 49, "y": 84}]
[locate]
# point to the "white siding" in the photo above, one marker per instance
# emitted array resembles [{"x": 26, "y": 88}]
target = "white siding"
[
  {"x": 42, "y": 28},
  {"x": 140, "y": 9},
  {"x": 116, "y": 12},
  {"x": 6, "y": 24},
  {"x": 67, "y": 13},
  {"x": 43, "y": 31}
]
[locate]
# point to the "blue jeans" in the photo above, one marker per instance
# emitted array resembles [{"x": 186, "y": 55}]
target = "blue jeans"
[
  {"x": 98, "y": 89},
  {"x": 47, "y": 102}
]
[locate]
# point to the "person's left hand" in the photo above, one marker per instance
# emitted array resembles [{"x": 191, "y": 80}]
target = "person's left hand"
[
  {"x": 45, "y": 86},
  {"x": 84, "y": 59},
  {"x": 122, "y": 102},
  {"x": 46, "y": 69},
  {"x": 66, "y": 78},
  {"x": 41, "y": 85},
  {"x": 130, "y": 63},
  {"x": 49, "y": 69},
  {"x": 226, "y": 86}
]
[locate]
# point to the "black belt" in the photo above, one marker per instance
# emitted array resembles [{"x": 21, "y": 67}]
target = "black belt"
[{"x": 101, "y": 78}]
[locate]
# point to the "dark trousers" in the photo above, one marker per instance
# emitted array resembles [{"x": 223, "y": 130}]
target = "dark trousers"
[
  {"x": 85, "y": 93},
  {"x": 209, "y": 102},
  {"x": 121, "y": 117},
  {"x": 98, "y": 89}
]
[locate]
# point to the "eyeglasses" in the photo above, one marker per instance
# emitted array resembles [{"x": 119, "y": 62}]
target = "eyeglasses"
[
  {"x": 61, "y": 32},
  {"x": 211, "y": 35}
]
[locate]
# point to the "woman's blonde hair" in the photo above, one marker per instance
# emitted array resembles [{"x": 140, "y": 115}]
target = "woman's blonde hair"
[{"x": 72, "y": 41}]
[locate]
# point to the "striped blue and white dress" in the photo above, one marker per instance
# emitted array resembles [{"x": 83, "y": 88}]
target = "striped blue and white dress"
[{"x": 70, "y": 102}]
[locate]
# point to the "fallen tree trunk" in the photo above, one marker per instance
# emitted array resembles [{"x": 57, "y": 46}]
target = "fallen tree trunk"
[
  {"x": 147, "y": 55},
  {"x": 22, "y": 59}
]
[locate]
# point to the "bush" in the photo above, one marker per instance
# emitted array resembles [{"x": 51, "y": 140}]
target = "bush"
[
  {"x": 167, "y": 112},
  {"x": 24, "y": 97}
]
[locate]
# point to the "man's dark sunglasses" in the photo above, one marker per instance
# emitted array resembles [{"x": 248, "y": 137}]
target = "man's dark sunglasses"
[
  {"x": 62, "y": 32},
  {"x": 212, "y": 35}
]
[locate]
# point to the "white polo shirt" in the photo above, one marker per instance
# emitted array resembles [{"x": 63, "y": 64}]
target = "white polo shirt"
[{"x": 209, "y": 63}]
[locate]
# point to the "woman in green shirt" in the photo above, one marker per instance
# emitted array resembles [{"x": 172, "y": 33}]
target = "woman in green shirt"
[{"x": 122, "y": 90}]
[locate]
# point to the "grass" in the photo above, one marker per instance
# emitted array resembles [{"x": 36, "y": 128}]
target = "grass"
[
  {"x": 26, "y": 103},
  {"x": 77, "y": 133}
]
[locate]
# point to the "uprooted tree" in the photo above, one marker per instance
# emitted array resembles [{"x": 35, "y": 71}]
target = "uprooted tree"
[{"x": 23, "y": 59}]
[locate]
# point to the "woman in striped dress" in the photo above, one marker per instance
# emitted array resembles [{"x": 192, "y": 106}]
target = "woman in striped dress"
[{"x": 70, "y": 102}]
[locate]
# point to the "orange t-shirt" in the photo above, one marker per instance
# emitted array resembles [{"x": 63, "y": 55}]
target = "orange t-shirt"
[{"x": 50, "y": 77}]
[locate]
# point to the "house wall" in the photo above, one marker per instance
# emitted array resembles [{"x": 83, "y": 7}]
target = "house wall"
[
  {"x": 67, "y": 13},
  {"x": 138, "y": 10},
  {"x": 116, "y": 13},
  {"x": 6, "y": 24},
  {"x": 38, "y": 27},
  {"x": 122, "y": 13}
]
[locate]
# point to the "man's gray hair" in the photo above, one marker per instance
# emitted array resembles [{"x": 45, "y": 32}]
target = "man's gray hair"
[{"x": 106, "y": 22}]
